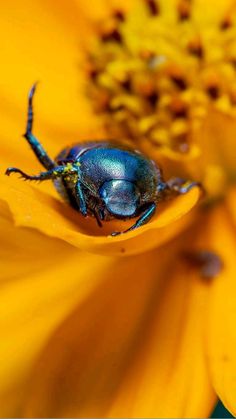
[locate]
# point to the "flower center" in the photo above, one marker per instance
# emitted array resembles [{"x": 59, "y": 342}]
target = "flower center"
[{"x": 157, "y": 70}]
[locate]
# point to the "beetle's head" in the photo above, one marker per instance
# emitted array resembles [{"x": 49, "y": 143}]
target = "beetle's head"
[{"x": 121, "y": 197}]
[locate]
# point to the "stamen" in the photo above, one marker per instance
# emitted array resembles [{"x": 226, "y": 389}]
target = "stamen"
[
  {"x": 195, "y": 48},
  {"x": 114, "y": 35},
  {"x": 126, "y": 84},
  {"x": 154, "y": 84},
  {"x": 184, "y": 10},
  {"x": 213, "y": 92},
  {"x": 225, "y": 24},
  {"x": 93, "y": 74},
  {"x": 153, "y": 98},
  {"x": 180, "y": 82},
  {"x": 153, "y": 7},
  {"x": 119, "y": 15}
]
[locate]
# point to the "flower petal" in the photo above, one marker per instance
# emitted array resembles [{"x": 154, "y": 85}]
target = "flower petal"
[
  {"x": 135, "y": 348},
  {"x": 33, "y": 208},
  {"x": 222, "y": 332},
  {"x": 42, "y": 280},
  {"x": 217, "y": 143},
  {"x": 42, "y": 43},
  {"x": 231, "y": 204}
]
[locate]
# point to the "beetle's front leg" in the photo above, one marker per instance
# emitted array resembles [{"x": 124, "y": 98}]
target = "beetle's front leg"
[
  {"x": 145, "y": 217},
  {"x": 50, "y": 174},
  {"x": 180, "y": 186}
]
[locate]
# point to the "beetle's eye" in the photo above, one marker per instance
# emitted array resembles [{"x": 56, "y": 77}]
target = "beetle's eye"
[{"x": 121, "y": 197}]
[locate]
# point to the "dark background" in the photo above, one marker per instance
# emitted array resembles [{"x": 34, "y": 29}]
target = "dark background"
[{"x": 221, "y": 412}]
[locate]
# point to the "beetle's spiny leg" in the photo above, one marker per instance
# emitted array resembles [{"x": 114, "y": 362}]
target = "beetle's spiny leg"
[
  {"x": 145, "y": 217},
  {"x": 11, "y": 170},
  {"x": 101, "y": 214},
  {"x": 33, "y": 142},
  {"x": 50, "y": 174},
  {"x": 25, "y": 176},
  {"x": 96, "y": 215}
]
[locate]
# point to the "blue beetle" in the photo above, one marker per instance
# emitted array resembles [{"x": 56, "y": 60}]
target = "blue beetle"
[{"x": 103, "y": 179}]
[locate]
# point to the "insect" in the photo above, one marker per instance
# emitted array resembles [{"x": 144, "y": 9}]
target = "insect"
[{"x": 103, "y": 179}]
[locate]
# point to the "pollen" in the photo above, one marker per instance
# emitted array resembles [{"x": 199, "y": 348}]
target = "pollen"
[
  {"x": 156, "y": 71},
  {"x": 68, "y": 168}
]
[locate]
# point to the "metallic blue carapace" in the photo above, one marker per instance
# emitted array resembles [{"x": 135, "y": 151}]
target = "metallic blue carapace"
[{"x": 103, "y": 179}]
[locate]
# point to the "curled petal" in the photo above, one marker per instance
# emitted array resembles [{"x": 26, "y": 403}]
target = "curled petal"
[{"x": 33, "y": 208}]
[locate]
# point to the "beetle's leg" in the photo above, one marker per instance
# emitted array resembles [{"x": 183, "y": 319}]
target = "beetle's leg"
[
  {"x": 145, "y": 217},
  {"x": 101, "y": 214},
  {"x": 96, "y": 215},
  {"x": 55, "y": 173},
  {"x": 180, "y": 186},
  {"x": 33, "y": 142},
  {"x": 80, "y": 199}
]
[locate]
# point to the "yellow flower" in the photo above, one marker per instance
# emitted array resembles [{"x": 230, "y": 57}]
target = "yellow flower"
[{"x": 87, "y": 327}]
